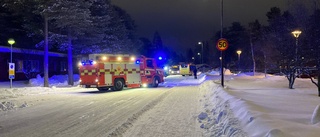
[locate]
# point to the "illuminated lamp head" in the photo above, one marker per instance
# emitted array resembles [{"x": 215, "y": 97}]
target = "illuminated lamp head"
[
  {"x": 132, "y": 58},
  {"x": 104, "y": 58},
  {"x": 119, "y": 58}
]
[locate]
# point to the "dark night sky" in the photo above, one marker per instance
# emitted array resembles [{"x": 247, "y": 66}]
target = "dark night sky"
[{"x": 182, "y": 23}]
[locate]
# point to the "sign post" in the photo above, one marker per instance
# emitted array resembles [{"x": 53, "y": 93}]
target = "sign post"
[
  {"x": 222, "y": 45},
  {"x": 11, "y": 73}
]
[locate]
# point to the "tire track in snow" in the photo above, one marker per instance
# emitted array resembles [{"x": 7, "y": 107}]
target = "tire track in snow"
[{"x": 126, "y": 125}]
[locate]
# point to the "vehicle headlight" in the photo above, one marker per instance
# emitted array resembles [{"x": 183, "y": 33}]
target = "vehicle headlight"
[{"x": 144, "y": 85}]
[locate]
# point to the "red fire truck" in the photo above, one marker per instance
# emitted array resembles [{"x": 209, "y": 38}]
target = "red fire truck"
[{"x": 104, "y": 71}]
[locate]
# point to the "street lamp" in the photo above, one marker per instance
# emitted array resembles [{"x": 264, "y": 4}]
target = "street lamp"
[
  {"x": 199, "y": 54},
  {"x": 296, "y": 34},
  {"x": 239, "y": 53},
  {"x": 11, "y": 42},
  {"x": 201, "y": 51}
]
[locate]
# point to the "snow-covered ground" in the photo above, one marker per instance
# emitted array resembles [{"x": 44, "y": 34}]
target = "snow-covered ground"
[{"x": 253, "y": 106}]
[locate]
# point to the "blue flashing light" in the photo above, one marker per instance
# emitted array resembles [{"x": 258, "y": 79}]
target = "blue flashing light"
[
  {"x": 137, "y": 61},
  {"x": 160, "y": 58}
]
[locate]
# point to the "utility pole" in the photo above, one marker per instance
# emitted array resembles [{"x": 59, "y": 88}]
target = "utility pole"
[{"x": 222, "y": 57}]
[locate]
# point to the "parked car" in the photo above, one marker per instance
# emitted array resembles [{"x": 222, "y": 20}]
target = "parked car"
[{"x": 174, "y": 70}]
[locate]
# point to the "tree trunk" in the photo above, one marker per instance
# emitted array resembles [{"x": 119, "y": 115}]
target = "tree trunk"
[
  {"x": 253, "y": 59},
  {"x": 318, "y": 82},
  {"x": 318, "y": 77},
  {"x": 265, "y": 65},
  {"x": 70, "y": 67},
  {"x": 46, "y": 53}
]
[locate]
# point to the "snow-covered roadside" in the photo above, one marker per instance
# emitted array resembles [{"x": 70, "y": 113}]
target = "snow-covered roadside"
[
  {"x": 266, "y": 107},
  {"x": 217, "y": 118},
  {"x": 54, "y": 81},
  {"x": 11, "y": 97}
]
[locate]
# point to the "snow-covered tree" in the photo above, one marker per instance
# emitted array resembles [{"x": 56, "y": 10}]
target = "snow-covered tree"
[
  {"x": 280, "y": 27},
  {"x": 72, "y": 18}
]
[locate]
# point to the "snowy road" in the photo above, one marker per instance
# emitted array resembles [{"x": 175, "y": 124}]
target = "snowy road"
[{"x": 77, "y": 111}]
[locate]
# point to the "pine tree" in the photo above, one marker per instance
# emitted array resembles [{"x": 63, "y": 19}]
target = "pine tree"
[
  {"x": 72, "y": 19},
  {"x": 157, "y": 42}
]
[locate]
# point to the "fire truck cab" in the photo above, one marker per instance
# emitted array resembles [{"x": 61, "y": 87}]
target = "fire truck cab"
[{"x": 104, "y": 71}]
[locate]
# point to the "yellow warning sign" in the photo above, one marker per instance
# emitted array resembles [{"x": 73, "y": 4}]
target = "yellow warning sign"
[{"x": 11, "y": 72}]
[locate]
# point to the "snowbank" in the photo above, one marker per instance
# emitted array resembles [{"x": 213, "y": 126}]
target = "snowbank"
[
  {"x": 266, "y": 106},
  {"x": 11, "y": 98},
  {"x": 217, "y": 72},
  {"x": 56, "y": 80},
  {"x": 218, "y": 119}
]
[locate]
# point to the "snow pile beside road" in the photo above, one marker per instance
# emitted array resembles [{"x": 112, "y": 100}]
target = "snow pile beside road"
[
  {"x": 218, "y": 118},
  {"x": 56, "y": 80},
  {"x": 217, "y": 72},
  {"x": 9, "y": 98}
]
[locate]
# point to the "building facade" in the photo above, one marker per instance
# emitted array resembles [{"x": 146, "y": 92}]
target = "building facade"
[{"x": 29, "y": 63}]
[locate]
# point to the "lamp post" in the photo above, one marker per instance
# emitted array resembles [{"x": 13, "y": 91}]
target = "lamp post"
[
  {"x": 221, "y": 35},
  {"x": 239, "y": 53},
  {"x": 11, "y": 42},
  {"x": 296, "y": 34},
  {"x": 199, "y": 54},
  {"x": 201, "y": 51}
]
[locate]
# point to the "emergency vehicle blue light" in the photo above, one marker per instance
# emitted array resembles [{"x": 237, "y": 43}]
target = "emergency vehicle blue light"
[
  {"x": 137, "y": 61},
  {"x": 160, "y": 58}
]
